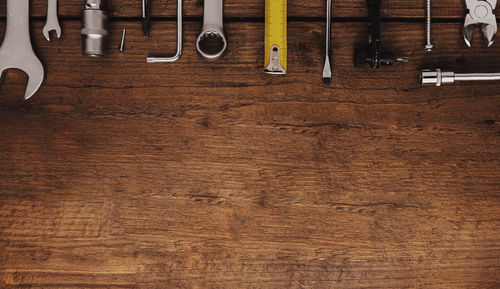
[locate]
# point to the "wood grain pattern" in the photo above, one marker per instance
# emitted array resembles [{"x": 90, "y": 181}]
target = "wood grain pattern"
[
  {"x": 255, "y": 8},
  {"x": 122, "y": 174}
]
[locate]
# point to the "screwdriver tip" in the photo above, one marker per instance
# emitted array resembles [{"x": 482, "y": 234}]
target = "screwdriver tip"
[
  {"x": 145, "y": 27},
  {"x": 327, "y": 71},
  {"x": 403, "y": 59}
]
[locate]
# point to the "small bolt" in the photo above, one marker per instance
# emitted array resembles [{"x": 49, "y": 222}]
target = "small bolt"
[
  {"x": 429, "y": 46},
  {"x": 122, "y": 42}
]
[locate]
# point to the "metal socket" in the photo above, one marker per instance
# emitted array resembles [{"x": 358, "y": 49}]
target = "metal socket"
[{"x": 94, "y": 29}]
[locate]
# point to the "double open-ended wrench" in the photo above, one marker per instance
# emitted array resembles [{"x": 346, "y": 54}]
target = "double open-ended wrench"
[
  {"x": 52, "y": 21},
  {"x": 211, "y": 43},
  {"x": 16, "y": 50}
]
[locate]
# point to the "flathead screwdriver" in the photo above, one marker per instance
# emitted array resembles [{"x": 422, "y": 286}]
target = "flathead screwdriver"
[
  {"x": 146, "y": 17},
  {"x": 327, "y": 70}
]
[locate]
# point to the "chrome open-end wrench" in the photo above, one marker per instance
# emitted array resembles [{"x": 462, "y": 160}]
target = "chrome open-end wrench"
[
  {"x": 52, "y": 21},
  {"x": 16, "y": 50},
  {"x": 211, "y": 43}
]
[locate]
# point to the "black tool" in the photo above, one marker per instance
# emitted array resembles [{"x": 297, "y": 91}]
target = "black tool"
[
  {"x": 372, "y": 54},
  {"x": 146, "y": 17}
]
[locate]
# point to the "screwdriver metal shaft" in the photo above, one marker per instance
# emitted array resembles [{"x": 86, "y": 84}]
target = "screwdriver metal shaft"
[
  {"x": 327, "y": 69},
  {"x": 146, "y": 17}
]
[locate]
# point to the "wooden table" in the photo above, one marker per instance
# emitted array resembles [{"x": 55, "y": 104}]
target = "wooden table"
[{"x": 122, "y": 174}]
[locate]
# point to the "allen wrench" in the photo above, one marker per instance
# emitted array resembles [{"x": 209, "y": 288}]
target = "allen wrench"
[{"x": 154, "y": 59}]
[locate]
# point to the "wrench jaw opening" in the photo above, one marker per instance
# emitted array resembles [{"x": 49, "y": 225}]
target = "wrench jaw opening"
[
  {"x": 35, "y": 77},
  {"x": 211, "y": 45},
  {"x": 16, "y": 51},
  {"x": 35, "y": 80},
  {"x": 46, "y": 31},
  {"x": 27, "y": 62}
]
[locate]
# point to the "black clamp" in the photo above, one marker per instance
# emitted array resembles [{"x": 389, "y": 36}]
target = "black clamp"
[{"x": 372, "y": 54}]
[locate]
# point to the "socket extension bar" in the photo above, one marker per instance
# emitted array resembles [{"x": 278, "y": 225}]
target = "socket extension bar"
[{"x": 438, "y": 77}]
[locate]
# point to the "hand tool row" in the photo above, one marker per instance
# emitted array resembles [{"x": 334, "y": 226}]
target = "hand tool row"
[
  {"x": 16, "y": 50},
  {"x": 255, "y": 9}
]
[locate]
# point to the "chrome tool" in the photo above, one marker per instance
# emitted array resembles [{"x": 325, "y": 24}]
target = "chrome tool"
[
  {"x": 480, "y": 13},
  {"x": 212, "y": 43},
  {"x": 122, "y": 42},
  {"x": 52, "y": 21},
  {"x": 438, "y": 77},
  {"x": 428, "y": 45},
  {"x": 94, "y": 28},
  {"x": 327, "y": 70},
  {"x": 373, "y": 55},
  {"x": 16, "y": 50},
  {"x": 275, "y": 53},
  {"x": 179, "y": 40},
  {"x": 146, "y": 17}
]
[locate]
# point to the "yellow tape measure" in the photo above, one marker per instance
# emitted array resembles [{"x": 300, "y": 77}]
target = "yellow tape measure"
[{"x": 275, "y": 41}]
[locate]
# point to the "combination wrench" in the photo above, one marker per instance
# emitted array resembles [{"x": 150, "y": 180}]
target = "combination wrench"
[
  {"x": 211, "y": 43},
  {"x": 52, "y": 21},
  {"x": 16, "y": 50}
]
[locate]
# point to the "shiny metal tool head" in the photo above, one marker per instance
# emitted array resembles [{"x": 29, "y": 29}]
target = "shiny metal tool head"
[
  {"x": 94, "y": 28},
  {"x": 436, "y": 77},
  {"x": 212, "y": 43},
  {"x": 52, "y": 23},
  {"x": 480, "y": 13},
  {"x": 16, "y": 51}
]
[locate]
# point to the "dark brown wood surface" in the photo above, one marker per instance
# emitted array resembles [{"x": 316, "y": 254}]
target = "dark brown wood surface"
[{"x": 122, "y": 174}]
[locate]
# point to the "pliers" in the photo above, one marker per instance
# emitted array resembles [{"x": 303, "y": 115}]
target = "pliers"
[{"x": 480, "y": 12}]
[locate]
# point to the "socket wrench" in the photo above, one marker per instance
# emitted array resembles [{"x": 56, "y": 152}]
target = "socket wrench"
[
  {"x": 438, "y": 77},
  {"x": 211, "y": 43},
  {"x": 94, "y": 28}
]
